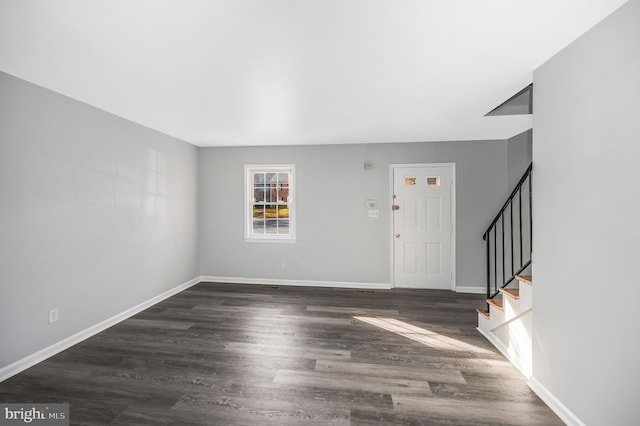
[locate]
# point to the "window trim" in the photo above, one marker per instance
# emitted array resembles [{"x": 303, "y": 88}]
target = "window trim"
[{"x": 249, "y": 236}]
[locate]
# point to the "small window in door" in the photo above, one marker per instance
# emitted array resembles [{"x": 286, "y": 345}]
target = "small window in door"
[
  {"x": 433, "y": 180},
  {"x": 409, "y": 181}
]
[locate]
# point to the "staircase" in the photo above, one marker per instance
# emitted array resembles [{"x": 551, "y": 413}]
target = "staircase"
[
  {"x": 506, "y": 320},
  {"x": 507, "y": 323}
]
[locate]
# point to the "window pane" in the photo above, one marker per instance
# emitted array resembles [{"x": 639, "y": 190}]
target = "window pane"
[
  {"x": 258, "y": 179},
  {"x": 283, "y": 187},
  {"x": 259, "y": 187},
  {"x": 271, "y": 226},
  {"x": 283, "y": 228},
  {"x": 267, "y": 186},
  {"x": 258, "y": 227},
  {"x": 283, "y": 177},
  {"x": 258, "y": 219},
  {"x": 259, "y": 194},
  {"x": 258, "y": 211},
  {"x": 283, "y": 192}
]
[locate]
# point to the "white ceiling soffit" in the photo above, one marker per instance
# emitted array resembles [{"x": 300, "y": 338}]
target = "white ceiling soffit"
[
  {"x": 520, "y": 103},
  {"x": 274, "y": 72}
]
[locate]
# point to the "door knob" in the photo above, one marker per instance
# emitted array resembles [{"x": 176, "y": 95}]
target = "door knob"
[{"x": 397, "y": 235}]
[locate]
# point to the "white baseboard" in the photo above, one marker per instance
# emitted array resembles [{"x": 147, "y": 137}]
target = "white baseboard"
[
  {"x": 554, "y": 403},
  {"x": 313, "y": 283},
  {"x": 31, "y": 360},
  {"x": 520, "y": 364},
  {"x": 472, "y": 290},
  {"x": 301, "y": 283}
]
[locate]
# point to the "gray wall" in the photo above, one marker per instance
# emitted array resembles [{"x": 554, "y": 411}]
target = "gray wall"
[
  {"x": 336, "y": 239},
  {"x": 97, "y": 215},
  {"x": 519, "y": 156},
  {"x": 586, "y": 233}
]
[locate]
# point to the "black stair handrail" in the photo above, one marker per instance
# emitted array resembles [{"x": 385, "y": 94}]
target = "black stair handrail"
[{"x": 497, "y": 229}]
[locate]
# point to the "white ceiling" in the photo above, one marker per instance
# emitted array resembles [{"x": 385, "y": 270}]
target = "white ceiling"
[{"x": 274, "y": 72}]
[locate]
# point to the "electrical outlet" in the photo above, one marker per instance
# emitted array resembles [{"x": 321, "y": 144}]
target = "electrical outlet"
[
  {"x": 283, "y": 264},
  {"x": 53, "y": 315},
  {"x": 373, "y": 213}
]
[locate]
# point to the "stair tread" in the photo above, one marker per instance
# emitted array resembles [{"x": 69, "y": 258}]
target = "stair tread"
[
  {"x": 513, "y": 292},
  {"x": 525, "y": 278},
  {"x": 495, "y": 302},
  {"x": 483, "y": 312}
]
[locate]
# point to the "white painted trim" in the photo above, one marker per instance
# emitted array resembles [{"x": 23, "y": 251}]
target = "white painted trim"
[
  {"x": 249, "y": 237},
  {"x": 454, "y": 226},
  {"x": 554, "y": 403},
  {"x": 31, "y": 360},
  {"x": 471, "y": 290},
  {"x": 392, "y": 264},
  {"x": 454, "y": 183},
  {"x": 300, "y": 283},
  {"x": 269, "y": 239},
  {"x": 520, "y": 364}
]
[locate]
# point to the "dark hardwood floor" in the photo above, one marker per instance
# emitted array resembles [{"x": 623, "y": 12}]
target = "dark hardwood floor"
[{"x": 225, "y": 354}]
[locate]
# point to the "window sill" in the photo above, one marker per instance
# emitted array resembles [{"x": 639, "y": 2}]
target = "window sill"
[{"x": 269, "y": 240}]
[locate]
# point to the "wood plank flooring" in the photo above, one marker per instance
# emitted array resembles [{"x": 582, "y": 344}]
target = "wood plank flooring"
[{"x": 227, "y": 354}]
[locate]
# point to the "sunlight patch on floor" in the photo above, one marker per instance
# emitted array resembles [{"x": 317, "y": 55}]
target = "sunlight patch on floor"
[{"x": 420, "y": 335}]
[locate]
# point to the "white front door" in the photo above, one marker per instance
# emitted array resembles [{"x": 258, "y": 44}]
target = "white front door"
[{"x": 423, "y": 226}]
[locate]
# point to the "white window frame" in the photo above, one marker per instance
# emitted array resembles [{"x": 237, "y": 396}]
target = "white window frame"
[{"x": 249, "y": 235}]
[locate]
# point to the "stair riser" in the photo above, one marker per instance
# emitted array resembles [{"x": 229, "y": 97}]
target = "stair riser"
[
  {"x": 483, "y": 322},
  {"x": 526, "y": 294},
  {"x": 514, "y": 307}
]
